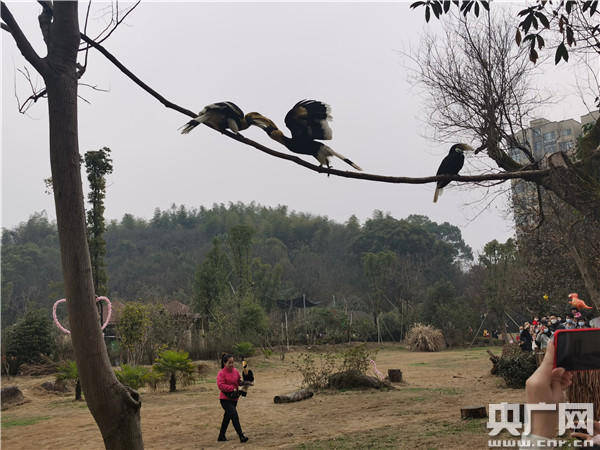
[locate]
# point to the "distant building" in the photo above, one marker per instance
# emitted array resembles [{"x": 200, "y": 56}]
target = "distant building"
[{"x": 543, "y": 137}]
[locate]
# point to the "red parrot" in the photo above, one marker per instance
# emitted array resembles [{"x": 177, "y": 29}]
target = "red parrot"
[{"x": 577, "y": 302}]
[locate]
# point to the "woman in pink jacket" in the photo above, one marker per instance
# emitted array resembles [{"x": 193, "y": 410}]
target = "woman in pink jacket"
[{"x": 228, "y": 381}]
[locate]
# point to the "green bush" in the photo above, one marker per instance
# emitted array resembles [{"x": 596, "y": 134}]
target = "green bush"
[
  {"x": 363, "y": 329},
  {"x": 315, "y": 369},
  {"x": 154, "y": 379},
  {"x": 176, "y": 365},
  {"x": 67, "y": 370},
  {"x": 267, "y": 352},
  {"x": 133, "y": 376},
  {"x": 356, "y": 359},
  {"x": 27, "y": 339},
  {"x": 243, "y": 349},
  {"x": 516, "y": 368}
]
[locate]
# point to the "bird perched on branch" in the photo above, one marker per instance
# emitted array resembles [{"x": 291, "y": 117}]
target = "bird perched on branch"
[
  {"x": 220, "y": 116},
  {"x": 451, "y": 165},
  {"x": 307, "y": 120}
]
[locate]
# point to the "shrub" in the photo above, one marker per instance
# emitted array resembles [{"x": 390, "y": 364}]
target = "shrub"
[
  {"x": 315, "y": 369},
  {"x": 27, "y": 339},
  {"x": 175, "y": 365},
  {"x": 356, "y": 359},
  {"x": 67, "y": 370},
  {"x": 154, "y": 379},
  {"x": 363, "y": 329},
  {"x": 515, "y": 368},
  {"x": 243, "y": 349},
  {"x": 133, "y": 376},
  {"x": 133, "y": 327},
  {"x": 267, "y": 352},
  {"x": 424, "y": 338}
]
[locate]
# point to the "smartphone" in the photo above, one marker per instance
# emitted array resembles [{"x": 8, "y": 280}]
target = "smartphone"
[{"x": 577, "y": 349}]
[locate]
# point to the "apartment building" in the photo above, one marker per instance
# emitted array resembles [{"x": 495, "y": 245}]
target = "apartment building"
[{"x": 544, "y": 137}]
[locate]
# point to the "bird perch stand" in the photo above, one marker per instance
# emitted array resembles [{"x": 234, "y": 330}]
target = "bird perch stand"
[
  {"x": 473, "y": 412},
  {"x": 296, "y": 396},
  {"x": 395, "y": 375}
]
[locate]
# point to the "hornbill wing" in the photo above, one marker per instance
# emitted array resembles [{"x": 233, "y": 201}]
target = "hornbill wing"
[
  {"x": 248, "y": 376},
  {"x": 233, "y": 110},
  {"x": 307, "y": 120}
]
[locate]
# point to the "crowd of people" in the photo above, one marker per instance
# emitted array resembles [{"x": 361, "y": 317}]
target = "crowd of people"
[{"x": 537, "y": 333}]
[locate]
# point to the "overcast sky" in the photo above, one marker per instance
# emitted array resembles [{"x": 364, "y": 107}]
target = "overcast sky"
[{"x": 264, "y": 57}]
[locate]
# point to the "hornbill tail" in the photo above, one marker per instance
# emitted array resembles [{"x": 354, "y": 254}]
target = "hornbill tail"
[
  {"x": 186, "y": 128},
  {"x": 438, "y": 193},
  {"x": 346, "y": 160}
]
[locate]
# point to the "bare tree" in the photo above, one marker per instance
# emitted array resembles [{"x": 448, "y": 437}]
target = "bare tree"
[
  {"x": 478, "y": 84},
  {"x": 115, "y": 407}
]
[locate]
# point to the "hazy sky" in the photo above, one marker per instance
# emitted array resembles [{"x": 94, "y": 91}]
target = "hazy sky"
[{"x": 264, "y": 57}]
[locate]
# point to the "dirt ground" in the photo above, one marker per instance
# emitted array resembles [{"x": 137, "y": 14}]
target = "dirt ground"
[{"x": 424, "y": 412}]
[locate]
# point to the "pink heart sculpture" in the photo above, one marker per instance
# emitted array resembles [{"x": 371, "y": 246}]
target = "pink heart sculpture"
[{"x": 62, "y": 300}]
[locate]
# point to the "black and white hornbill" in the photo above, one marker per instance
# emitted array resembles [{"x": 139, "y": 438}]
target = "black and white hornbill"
[
  {"x": 220, "y": 116},
  {"x": 247, "y": 379},
  {"x": 307, "y": 121},
  {"x": 451, "y": 165}
]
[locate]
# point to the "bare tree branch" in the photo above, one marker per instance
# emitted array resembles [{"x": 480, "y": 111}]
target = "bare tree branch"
[
  {"x": 135, "y": 79},
  {"x": 4, "y": 27},
  {"x": 34, "y": 97},
  {"x": 21, "y": 40},
  {"x": 116, "y": 22},
  {"x": 528, "y": 175}
]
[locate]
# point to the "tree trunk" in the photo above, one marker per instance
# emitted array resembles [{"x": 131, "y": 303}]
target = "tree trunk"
[
  {"x": 585, "y": 388},
  {"x": 575, "y": 183},
  {"x": 78, "y": 390},
  {"x": 395, "y": 375},
  {"x": 591, "y": 284},
  {"x": 115, "y": 408},
  {"x": 473, "y": 412},
  {"x": 172, "y": 381}
]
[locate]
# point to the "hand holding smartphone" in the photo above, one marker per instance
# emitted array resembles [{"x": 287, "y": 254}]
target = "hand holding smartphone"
[{"x": 577, "y": 349}]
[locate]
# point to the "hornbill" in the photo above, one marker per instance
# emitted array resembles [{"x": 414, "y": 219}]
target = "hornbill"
[
  {"x": 450, "y": 165},
  {"x": 307, "y": 121},
  {"x": 247, "y": 379},
  {"x": 220, "y": 116}
]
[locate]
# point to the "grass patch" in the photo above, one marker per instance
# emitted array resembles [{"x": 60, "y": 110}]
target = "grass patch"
[
  {"x": 473, "y": 426},
  {"x": 22, "y": 421},
  {"x": 70, "y": 403},
  {"x": 385, "y": 437},
  {"x": 208, "y": 380},
  {"x": 265, "y": 364}
]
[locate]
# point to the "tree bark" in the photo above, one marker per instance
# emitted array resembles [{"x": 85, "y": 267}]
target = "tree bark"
[
  {"x": 591, "y": 284},
  {"x": 575, "y": 183},
  {"x": 172, "y": 383},
  {"x": 115, "y": 409}
]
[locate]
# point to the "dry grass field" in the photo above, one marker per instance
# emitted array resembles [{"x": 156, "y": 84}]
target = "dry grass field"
[{"x": 424, "y": 412}]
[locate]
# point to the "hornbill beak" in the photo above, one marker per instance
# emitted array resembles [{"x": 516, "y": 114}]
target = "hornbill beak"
[{"x": 257, "y": 119}]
